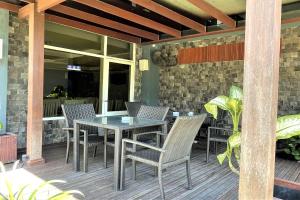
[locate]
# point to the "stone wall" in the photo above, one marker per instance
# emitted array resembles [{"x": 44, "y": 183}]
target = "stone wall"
[
  {"x": 187, "y": 87},
  {"x": 17, "y": 78},
  {"x": 138, "y": 75}
]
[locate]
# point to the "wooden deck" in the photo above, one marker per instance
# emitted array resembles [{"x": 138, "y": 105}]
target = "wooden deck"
[{"x": 210, "y": 180}]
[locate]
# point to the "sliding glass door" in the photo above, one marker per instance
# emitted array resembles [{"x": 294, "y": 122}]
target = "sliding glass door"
[{"x": 118, "y": 86}]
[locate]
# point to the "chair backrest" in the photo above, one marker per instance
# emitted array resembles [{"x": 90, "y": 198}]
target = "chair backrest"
[
  {"x": 133, "y": 108},
  {"x": 77, "y": 111},
  {"x": 180, "y": 139},
  {"x": 74, "y": 101},
  {"x": 153, "y": 112},
  {"x": 51, "y": 107},
  {"x": 119, "y": 105}
]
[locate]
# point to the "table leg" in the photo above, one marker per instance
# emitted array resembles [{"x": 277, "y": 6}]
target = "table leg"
[
  {"x": 117, "y": 159},
  {"x": 76, "y": 158}
]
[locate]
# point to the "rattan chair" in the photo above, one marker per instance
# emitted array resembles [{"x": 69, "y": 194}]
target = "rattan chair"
[
  {"x": 176, "y": 149},
  {"x": 146, "y": 112},
  {"x": 89, "y": 135},
  {"x": 133, "y": 108},
  {"x": 51, "y": 107},
  {"x": 216, "y": 135}
]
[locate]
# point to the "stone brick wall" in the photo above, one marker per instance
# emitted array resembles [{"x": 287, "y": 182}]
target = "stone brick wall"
[
  {"x": 187, "y": 87},
  {"x": 17, "y": 78},
  {"x": 138, "y": 75}
]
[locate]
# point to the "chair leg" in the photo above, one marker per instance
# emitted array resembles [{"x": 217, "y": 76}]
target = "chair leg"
[
  {"x": 207, "y": 145},
  {"x": 161, "y": 183},
  {"x": 95, "y": 151},
  {"x": 188, "y": 174},
  {"x": 85, "y": 158},
  {"x": 133, "y": 169},
  {"x": 216, "y": 147},
  {"x": 68, "y": 152},
  {"x": 122, "y": 181},
  {"x": 105, "y": 149}
]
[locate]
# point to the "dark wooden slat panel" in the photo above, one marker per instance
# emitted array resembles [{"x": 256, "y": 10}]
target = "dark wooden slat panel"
[
  {"x": 94, "y": 29},
  {"x": 130, "y": 16},
  {"x": 105, "y": 22}
]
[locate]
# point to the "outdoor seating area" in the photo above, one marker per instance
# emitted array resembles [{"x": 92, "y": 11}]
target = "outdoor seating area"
[{"x": 149, "y": 99}]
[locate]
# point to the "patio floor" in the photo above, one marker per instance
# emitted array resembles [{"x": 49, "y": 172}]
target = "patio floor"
[{"x": 210, "y": 180}]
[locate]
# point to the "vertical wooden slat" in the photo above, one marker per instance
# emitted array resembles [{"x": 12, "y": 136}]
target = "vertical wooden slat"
[
  {"x": 35, "y": 86},
  {"x": 261, "y": 72}
]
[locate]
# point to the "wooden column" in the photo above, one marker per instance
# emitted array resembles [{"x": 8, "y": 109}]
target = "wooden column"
[
  {"x": 35, "y": 85},
  {"x": 261, "y": 72}
]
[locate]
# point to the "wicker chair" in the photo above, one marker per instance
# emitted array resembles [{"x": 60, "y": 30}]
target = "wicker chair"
[
  {"x": 90, "y": 137},
  {"x": 176, "y": 149},
  {"x": 51, "y": 107},
  {"x": 133, "y": 108},
  {"x": 146, "y": 112},
  {"x": 216, "y": 135}
]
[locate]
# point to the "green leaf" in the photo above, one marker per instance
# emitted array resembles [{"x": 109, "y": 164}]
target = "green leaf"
[
  {"x": 236, "y": 93},
  {"x": 1, "y": 125},
  {"x": 34, "y": 193},
  {"x": 64, "y": 195},
  {"x": 221, "y": 157},
  {"x": 288, "y": 126},
  {"x": 218, "y": 102}
]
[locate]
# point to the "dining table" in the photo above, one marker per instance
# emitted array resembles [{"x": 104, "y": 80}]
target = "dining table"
[{"x": 119, "y": 124}]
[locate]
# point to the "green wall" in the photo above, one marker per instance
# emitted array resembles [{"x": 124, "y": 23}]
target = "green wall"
[
  {"x": 150, "y": 81},
  {"x": 4, "y": 28}
]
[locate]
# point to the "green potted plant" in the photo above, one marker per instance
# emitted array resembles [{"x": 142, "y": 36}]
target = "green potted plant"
[
  {"x": 29, "y": 192},
  {"x": 287, "y": 127},
  {"x": 8, "y": 146}
]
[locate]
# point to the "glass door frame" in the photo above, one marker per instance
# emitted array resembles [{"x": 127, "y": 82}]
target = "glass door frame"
[{"x": 105, "y": 85}]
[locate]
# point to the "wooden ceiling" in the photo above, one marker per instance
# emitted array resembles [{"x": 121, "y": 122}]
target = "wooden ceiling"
[{"x": 142, "y": 21}]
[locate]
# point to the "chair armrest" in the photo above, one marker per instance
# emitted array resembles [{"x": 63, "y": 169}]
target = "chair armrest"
[
  {"x": 220, "y": 128},
  {"x": 72, "y": 129},
  {"x": 150, "y": 132},
  {"x": 68, "y": 129},
  {"x": 124, "y": 141}
]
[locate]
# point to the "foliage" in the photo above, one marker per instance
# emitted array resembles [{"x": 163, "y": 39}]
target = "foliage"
[
  {"x": 286, "y": 127},
  {"x": 1, "y": 125},
  {"x": 33, "y": 195},
  {"x": 293, "y": 147},
  {"x": 57, "y": 91},
  {"x": 233, "y": 104}
]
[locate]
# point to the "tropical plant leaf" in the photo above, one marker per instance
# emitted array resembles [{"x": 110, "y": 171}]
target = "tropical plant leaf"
[
  {"x": 221, "y": 157},
  {"x": 66, "y": 194},
  {"x": 212, "y": 106},
  {"x": 288, "y": 126},
  {"x": 236, "y": 93},
  {"x": 20, "y": 192},
  {"x": 42, "y": 185}
]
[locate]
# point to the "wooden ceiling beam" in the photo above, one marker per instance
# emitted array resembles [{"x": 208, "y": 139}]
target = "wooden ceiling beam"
[
  {"x": 105, "y": 7},
  {"x": 168, "y": 13},
  {"x": 46, "y": 4},
  {"x": 214, "y": 12},
  {"x": 26, "y": 10},
  {"x": 94, "y": 29},
  {"x": 28, "y": 1},
  {"x": 9, "y": 6},
  {"x": 105, "y": 22}
]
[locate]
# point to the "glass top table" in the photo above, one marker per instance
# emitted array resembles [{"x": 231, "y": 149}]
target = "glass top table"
[{"x": 119, "y": 124}]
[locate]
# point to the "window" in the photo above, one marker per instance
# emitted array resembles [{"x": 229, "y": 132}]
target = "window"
[
  {"x": 119, "y": 49},
  {"x": 75, "y": 69}
]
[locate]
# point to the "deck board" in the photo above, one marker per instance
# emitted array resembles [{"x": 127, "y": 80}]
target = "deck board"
[{"x": 210, "y": 180}]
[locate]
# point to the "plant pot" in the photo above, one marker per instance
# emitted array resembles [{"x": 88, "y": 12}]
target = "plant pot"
[
  {"x": 286, "y": 190},
  {"x": 8, "y": 148}
]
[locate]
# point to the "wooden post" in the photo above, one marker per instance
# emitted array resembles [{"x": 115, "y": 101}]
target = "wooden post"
[
  {"x": 261, "y": 72},
  {"x": 35, "y": 85}
]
